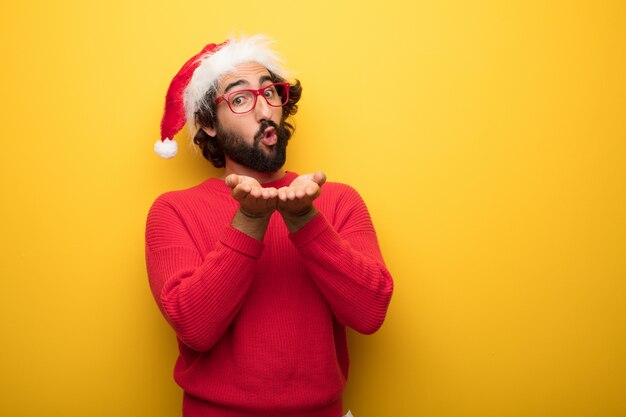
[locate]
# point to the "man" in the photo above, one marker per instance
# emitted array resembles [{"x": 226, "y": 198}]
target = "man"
[{"x": 261, "y": 272}]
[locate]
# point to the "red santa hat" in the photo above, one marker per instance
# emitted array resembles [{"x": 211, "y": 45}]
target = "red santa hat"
[{"x": 187, "y": 91}]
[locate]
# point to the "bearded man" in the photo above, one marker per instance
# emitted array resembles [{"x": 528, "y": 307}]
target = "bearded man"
[{"x": 261, "y": 271}]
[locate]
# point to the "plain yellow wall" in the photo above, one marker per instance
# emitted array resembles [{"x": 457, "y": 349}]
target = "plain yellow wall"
[{"x": 488, "y": 139}]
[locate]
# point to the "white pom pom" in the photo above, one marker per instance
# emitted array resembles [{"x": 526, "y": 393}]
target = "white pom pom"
[{"x": 166, "y": 149}]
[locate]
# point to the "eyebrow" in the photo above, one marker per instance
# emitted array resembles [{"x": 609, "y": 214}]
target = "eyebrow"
[
  {"x": 263, "y": 79},
  {"x": 235, "y": 84}
]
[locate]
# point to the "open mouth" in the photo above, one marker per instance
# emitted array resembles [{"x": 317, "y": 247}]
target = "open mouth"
[{"x": 269, "y": 137}]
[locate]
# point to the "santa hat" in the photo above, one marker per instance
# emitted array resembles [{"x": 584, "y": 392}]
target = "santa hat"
[{"x": 187, "y": 91}]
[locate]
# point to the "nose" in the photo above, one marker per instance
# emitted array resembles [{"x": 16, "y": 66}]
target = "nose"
[{"x": 262, "y": 110}]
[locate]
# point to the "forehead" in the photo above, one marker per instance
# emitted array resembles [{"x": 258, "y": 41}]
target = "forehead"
[{"x": 250, "y": 73}]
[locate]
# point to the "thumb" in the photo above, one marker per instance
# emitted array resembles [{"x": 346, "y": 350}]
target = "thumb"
[
  {"x": 319, "y": 178},
  {"x": 232, "y": 180}
]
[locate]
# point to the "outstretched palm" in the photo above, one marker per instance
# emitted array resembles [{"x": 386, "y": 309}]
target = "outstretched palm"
[
  {"x": 297, "y": 198},
  {"x": 254, "y": 200}
]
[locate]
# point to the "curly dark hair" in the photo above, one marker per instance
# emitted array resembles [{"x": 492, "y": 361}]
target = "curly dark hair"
[{"x": 206, "y": 116}]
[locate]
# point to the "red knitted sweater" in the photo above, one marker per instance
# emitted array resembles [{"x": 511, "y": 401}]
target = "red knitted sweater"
[{"x": 261, "y": 325}]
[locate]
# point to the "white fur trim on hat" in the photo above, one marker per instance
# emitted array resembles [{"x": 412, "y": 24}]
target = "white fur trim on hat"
[{"x": 166, "y": 148}]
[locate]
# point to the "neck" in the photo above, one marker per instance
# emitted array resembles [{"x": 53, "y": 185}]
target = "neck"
[{"x": 262, "y": 177}]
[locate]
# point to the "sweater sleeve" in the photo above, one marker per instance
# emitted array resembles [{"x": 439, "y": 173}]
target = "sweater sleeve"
[
  {"x": 198, "y": 293},
  {"x": 346, "y": 263}
]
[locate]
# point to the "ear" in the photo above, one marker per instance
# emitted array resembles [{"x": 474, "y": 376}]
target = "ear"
[{"x": 210, "y": 131}]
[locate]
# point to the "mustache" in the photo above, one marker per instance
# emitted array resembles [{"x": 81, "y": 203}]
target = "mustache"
[{"x": 264, "y": 125}]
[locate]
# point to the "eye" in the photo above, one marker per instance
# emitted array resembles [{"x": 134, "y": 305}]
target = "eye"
[
  {"x": 269, "y": 91},
  {"x": 239, "y": 99}
]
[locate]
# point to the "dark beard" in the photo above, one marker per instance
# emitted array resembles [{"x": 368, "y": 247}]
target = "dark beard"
[{"x": 252, "y": 156}]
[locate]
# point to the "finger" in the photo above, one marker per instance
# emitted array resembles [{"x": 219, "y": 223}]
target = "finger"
[
  {"x": 256, "y": 192},
  {"x": 319, "y": 178},
  {"x": 232, "y": 180},
  {"x": 265, "y": 193},
  {"x": 282, "y": 194},
  {"x": 312, "y": 190},
  {"x": 300, "y": 192},
  {"x": 239, "y": 193},
  {"x": 271, "y": 192}
]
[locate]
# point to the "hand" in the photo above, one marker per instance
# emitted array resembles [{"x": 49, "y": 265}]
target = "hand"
[
  {"x": 295, "y": 202},
  {"x": 254, "y": 200}
]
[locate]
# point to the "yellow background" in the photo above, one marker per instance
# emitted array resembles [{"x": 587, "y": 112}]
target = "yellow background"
[{"x": 488, "y": 139}]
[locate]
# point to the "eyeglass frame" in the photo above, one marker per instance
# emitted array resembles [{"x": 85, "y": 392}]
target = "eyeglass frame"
[{"x": 256, "y": 93}]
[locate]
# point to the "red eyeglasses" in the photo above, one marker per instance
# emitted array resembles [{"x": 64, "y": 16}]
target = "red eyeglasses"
[{"x": 243, "y": 101}]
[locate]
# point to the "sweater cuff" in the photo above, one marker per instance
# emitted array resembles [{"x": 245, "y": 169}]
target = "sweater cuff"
[
  {"x": 310, "y": 231},
  {"x": 242, "y": 243}
]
